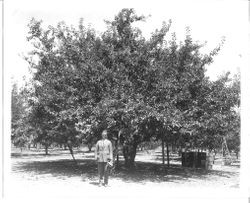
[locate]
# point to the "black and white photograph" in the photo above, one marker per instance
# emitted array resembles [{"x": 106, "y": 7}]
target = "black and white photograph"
[{"x": 125, "y": 101}]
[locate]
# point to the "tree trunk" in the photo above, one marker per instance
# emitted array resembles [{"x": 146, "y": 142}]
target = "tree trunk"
[
  {"x": 180, "y": 151},
  {"x": 174, "y": 148},
  {"x": 72, "y": 153},
  {"x": 237, "y": 155},
  {"x": 163, "y": 151},
  {"x": 215, "y": 152},
  {"x": 129, "y": 153},
  {"x": 117, "y": 147},
  {"x": 46, "y": 149},
  {"x": 168, "y": 153},
  {"x": 117, "y": 155},
  {"x": 90, "y": 147}
]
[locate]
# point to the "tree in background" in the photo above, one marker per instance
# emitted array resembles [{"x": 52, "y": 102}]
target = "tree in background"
[
  {"x": 21, "y": 131},
  {"x": 218, "y": 112}
]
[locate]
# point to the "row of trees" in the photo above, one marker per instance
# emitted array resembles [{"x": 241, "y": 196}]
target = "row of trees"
[{"x": 140, "y": 90}]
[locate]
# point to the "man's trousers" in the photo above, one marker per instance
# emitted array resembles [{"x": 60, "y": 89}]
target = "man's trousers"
[{"x": 103, "y": 171}]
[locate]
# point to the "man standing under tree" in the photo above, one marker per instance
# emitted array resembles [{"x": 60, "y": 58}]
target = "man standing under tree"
[{"x": 104, "y": 156}]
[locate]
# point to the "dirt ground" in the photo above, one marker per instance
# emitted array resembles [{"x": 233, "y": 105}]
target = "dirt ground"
[{"x": 55, "y": 175}]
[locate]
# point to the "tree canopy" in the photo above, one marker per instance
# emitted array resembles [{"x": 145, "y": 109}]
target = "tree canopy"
[{"x": 144, "y": 89}]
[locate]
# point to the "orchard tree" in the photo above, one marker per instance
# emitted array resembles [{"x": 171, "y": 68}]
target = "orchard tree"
[
  {"x": 17, "y": 111},
  {"x": 180, "y": 75},
  {"x": 219, "y": 118},
  {"x": 42, "y": 124},
  {"x": 63, "y": 79},
  {"x": 140, "y": 90},
  {"x": 233, "y": 135},
  {"x": 21, "y": 131},
  {"x": 164, "y": 81}
]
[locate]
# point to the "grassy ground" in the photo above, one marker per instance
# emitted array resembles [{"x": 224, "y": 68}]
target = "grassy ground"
[{"x": 57, "y": 175}]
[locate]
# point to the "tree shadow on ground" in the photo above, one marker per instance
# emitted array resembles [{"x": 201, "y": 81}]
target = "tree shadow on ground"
[
  {"x": 142, "y": 173},
  {"x": 41, "y": 153},
  {"x": 37, "y": 155},
  {"x": 174, "y": 173}
]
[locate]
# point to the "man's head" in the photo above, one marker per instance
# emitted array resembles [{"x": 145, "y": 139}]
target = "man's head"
[{"x": 104, "y": 134}]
